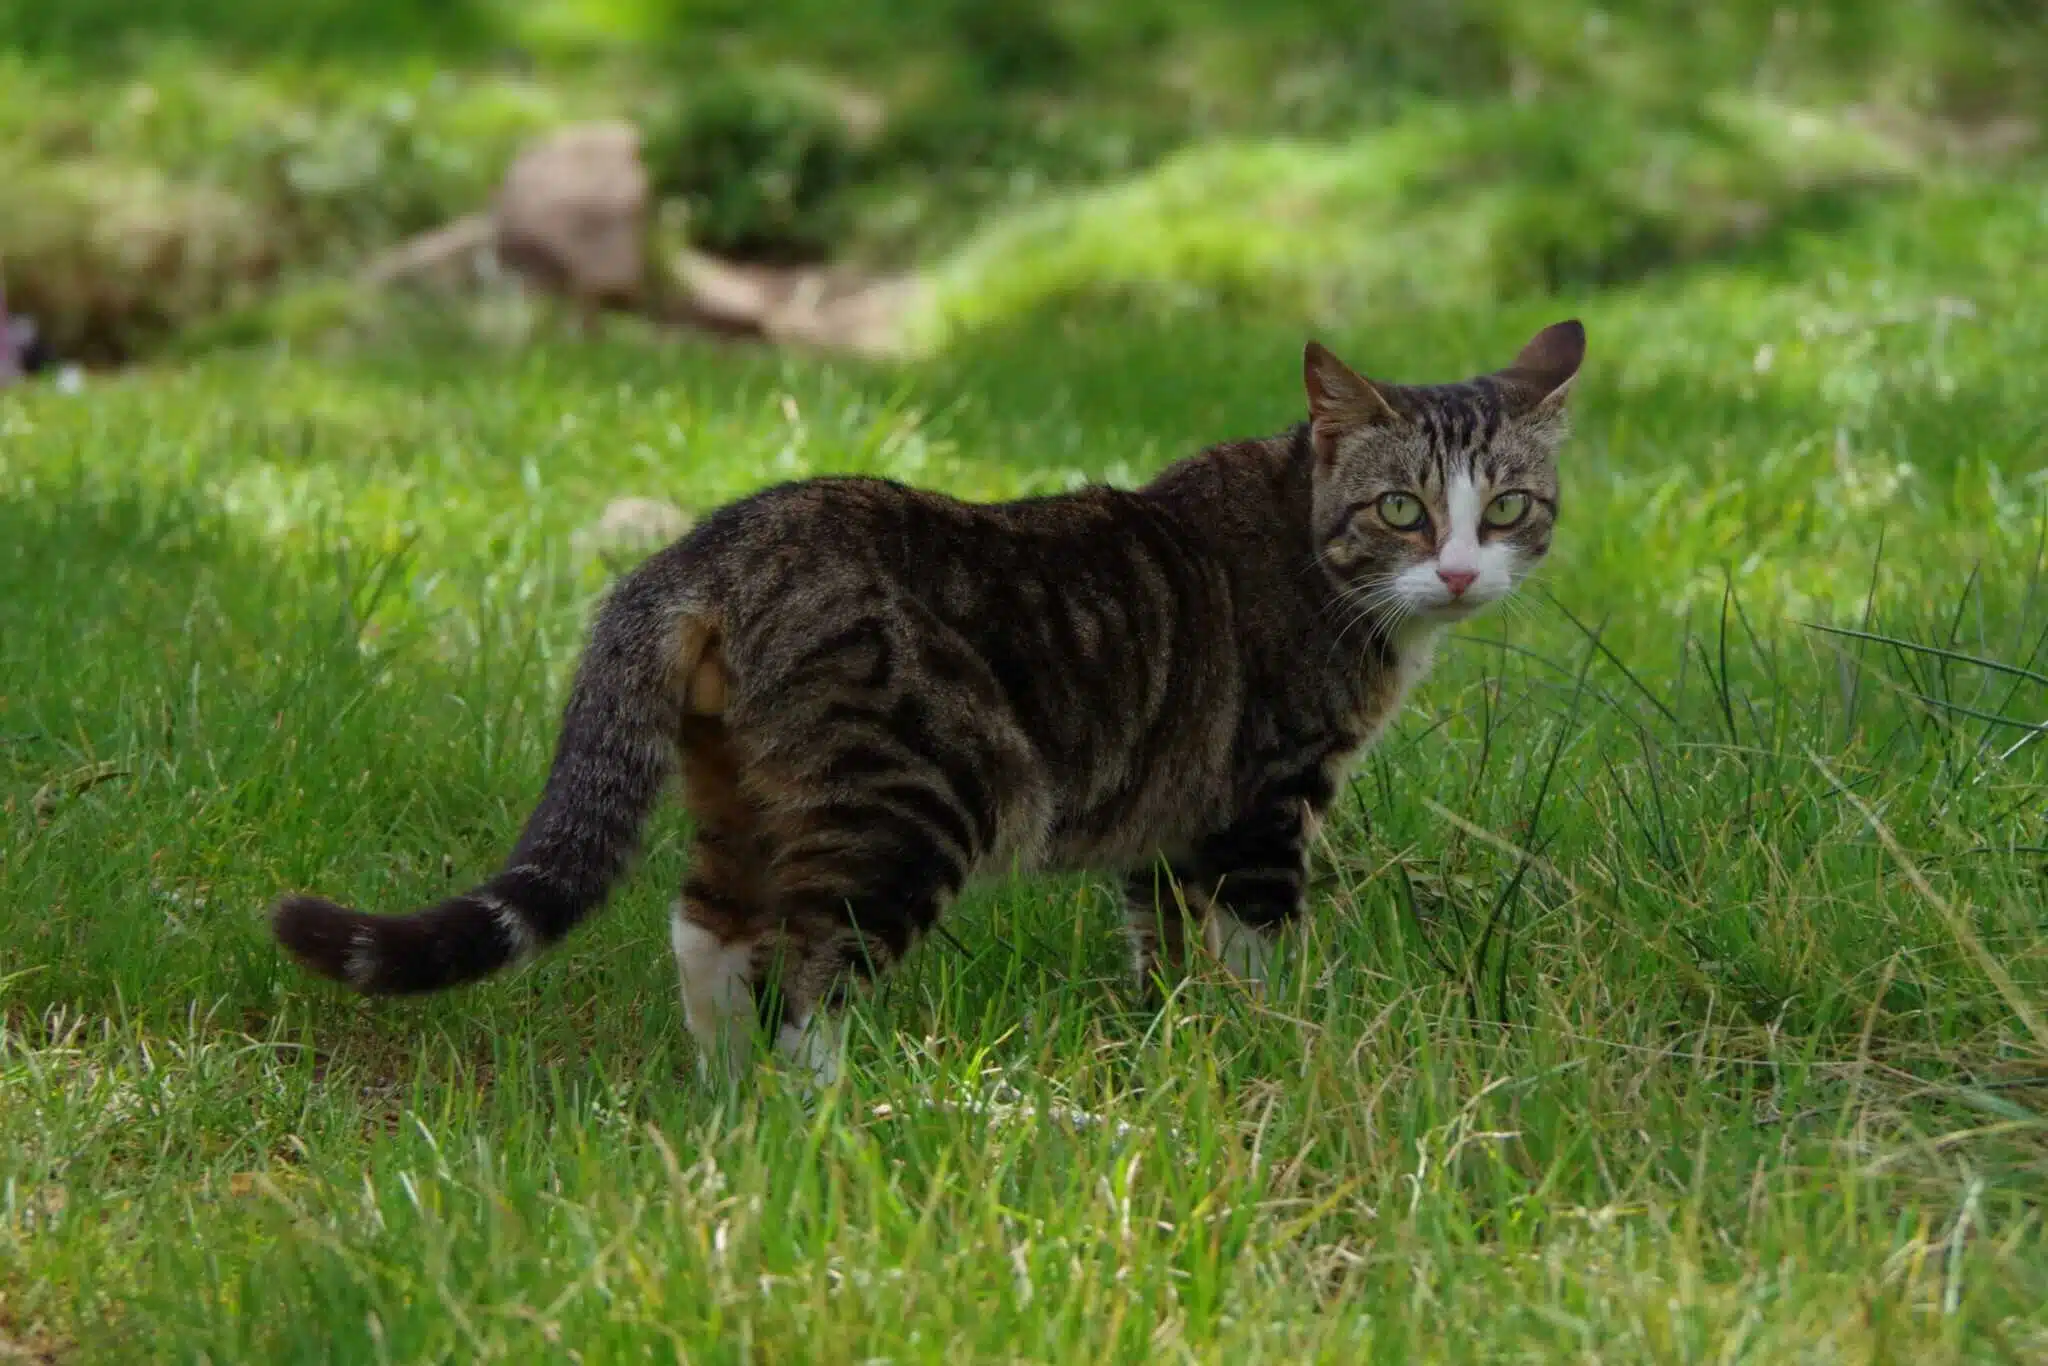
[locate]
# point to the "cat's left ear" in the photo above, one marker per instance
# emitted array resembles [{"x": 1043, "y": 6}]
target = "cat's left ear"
[{"x": 1541, "y": 378}]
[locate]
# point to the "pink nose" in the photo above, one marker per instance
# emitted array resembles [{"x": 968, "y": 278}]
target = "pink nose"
[{"x": 1457, "y": 580}]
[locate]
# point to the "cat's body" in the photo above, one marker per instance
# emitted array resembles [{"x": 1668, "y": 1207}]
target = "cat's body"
[{"x": 876, "y": 694}]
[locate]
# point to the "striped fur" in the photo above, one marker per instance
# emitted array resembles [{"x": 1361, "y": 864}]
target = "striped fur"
[{"x": 874, "y": 694}]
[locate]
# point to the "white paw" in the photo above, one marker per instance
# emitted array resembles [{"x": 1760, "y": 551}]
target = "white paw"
[
  {"x": 815, "y": 1047},
  {"x": 1245, "y": 951},
  {"x": 718, "y": 1002}
]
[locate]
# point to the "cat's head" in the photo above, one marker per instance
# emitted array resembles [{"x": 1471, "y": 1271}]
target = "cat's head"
[{"x": 1433, "y": 501}]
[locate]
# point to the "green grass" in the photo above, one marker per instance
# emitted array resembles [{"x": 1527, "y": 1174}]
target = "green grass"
[{"x": 1676, "y": 979}]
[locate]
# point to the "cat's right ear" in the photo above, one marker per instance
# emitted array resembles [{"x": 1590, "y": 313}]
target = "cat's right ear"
[
  {"x": 1340, "y": 400},
  {"x": 1541, "y": 376}
]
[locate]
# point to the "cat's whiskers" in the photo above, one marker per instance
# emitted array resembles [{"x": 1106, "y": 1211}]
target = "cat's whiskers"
[
  {"x": 1347, "y": 597},
  {"x": 1370, "y": 601},
  {"x": 1522, "y": 604},
  {"x": 1368, "y": 594},
  {"x": 1517, "y": 607}
]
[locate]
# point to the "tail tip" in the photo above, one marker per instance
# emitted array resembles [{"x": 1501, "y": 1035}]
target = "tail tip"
[{"x": 325, "y": 937}]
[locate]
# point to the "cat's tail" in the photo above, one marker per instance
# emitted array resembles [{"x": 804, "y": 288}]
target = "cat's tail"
[{"x": 652, "y": 662}]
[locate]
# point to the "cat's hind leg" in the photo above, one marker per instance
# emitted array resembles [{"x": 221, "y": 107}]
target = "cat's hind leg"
[
  {"x": 881, "y": 756},
  {"x": 724, "y": 915},
  {"x": 856, "y": 883}
]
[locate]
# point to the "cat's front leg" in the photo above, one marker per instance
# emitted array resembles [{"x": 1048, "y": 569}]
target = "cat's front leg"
[
  {"x": 1157, "y": 904},
  {"x": 1254, "y": 884}
]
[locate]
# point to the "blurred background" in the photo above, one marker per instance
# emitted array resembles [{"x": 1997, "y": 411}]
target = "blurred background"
[{"x": 182, "y": 175}]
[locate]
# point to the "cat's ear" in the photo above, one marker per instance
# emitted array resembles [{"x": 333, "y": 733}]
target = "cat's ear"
[
  {"x": 1339, "y": 399},
  {"x": 1541, "y": 377}
]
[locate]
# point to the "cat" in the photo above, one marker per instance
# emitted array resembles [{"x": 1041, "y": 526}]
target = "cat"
[{"x": 874, "y": 694}]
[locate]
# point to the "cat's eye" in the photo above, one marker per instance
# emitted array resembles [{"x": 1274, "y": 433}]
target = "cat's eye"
[
  {"x": 1506, "y": 510},
  {"x": 1400, "y": 511}
]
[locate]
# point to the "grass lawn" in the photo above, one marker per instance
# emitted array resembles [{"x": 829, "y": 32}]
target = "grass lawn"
[{"x": 1678, "y": 988}]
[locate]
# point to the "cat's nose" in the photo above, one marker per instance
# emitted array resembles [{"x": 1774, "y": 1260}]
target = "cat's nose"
[{"x": 1457, "y": 580}]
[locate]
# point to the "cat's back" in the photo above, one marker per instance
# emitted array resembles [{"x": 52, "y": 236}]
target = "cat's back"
[
  {"x": 1089, "y": 618},
  {"x": 966, "y": 560}
]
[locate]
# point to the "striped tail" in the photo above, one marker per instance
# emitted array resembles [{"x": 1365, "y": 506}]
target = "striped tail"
[{"x": 651, "y": 661}]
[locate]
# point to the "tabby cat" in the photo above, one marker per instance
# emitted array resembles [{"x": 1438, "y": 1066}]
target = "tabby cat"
[{"x": 875, "y": 693}]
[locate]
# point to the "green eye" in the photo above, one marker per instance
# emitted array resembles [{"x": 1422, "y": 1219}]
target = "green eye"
[
  {"x": 1400, "y": 511},
  {"x": 1506, "y": 510}
]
